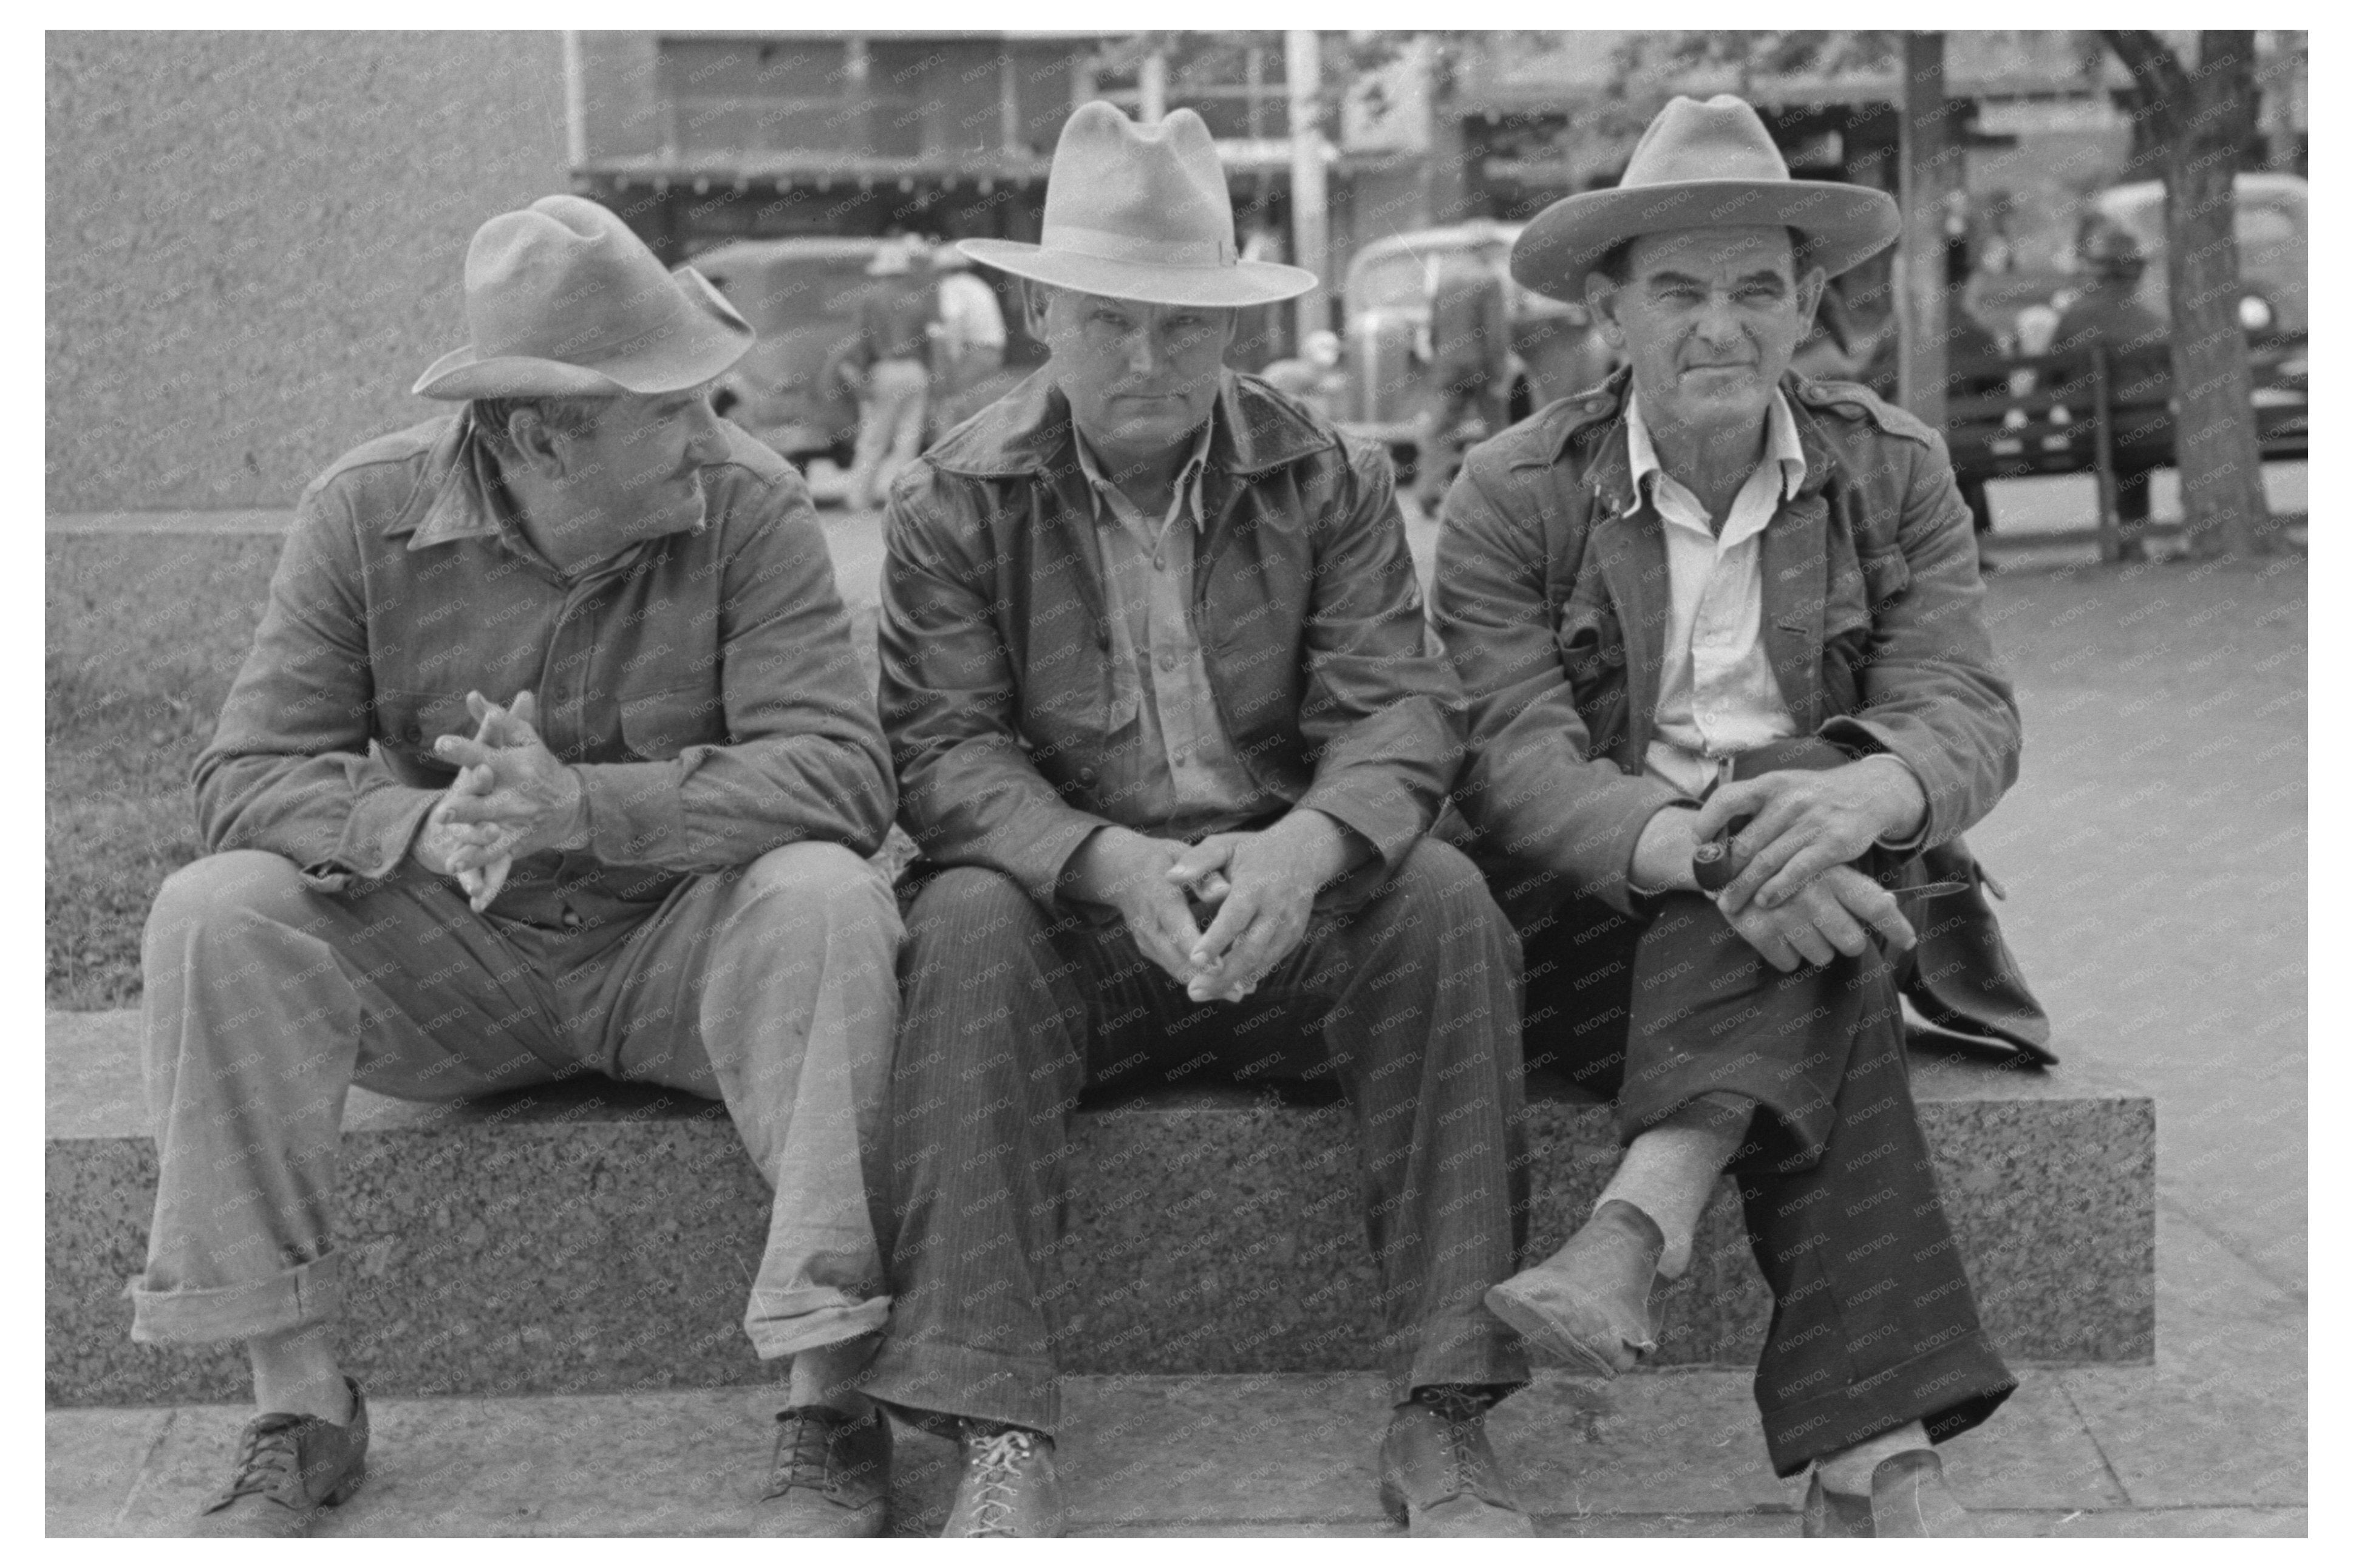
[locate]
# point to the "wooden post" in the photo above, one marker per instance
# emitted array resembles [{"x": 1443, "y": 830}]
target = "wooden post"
[
  {"x": 1931, "y": 168},
  {"x": 1310, "y": 222}
]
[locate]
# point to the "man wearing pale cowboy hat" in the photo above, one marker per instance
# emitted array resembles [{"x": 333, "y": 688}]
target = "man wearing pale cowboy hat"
[
  {"x": 1170, "y": 738},
  {"x": 650, "y": 862},
  {"x": 1712, "y": 598}
]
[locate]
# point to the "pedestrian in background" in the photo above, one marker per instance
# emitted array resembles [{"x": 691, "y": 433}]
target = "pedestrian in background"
[
  {"x": 2107, "y": 315},
  {"x": 892, "y": 375}
]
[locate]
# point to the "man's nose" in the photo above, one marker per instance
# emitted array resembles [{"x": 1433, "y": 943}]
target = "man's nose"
[
  {"x": 707, "y": 441},
  {"x": 1144, "y": 353},
  {"x": 1718, "y": 321}
]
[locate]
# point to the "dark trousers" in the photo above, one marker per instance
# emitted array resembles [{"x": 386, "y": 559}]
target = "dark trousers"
[
  {"x": 1873, "y": 1323},
  {"x": 1010, "y": 1010}
]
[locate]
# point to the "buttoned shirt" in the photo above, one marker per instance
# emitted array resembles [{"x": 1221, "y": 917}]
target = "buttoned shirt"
[
  {"x": 1718, "y": 696},
  {"x": 1170, "y": 767}
]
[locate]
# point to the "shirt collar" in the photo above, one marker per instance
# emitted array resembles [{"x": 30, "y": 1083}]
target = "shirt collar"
[
  {"x": 1099, "y": 491},
  {"x": 1781, "y": 445}
]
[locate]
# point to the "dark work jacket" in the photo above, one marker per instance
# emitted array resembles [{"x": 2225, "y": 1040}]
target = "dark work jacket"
[
  {"x": 996, "y": 674},
  {"x": 1551, "y": 596}
]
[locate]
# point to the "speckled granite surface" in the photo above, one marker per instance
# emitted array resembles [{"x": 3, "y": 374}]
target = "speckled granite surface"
[{"x": 586, "y": 1239}]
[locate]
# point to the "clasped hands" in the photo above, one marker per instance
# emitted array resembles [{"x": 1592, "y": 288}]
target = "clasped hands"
[
  {"x": 511, "y": 797},
  {"x": 1798, "y": 899},
  {"x": 1262, "y": 887}
]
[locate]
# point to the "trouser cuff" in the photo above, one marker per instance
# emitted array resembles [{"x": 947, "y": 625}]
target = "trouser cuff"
[
  {"x": 298, "y": 1298},
  {"x": 1949, "y": 1390},
  {"x": 936, "y": 1377},
  {"x": 789, "y": 1323},
  {"x": 1470, "y": 1348}
]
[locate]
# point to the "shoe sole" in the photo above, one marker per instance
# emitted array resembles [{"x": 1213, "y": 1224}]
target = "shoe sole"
[{"x": 1539, "y": 1328}]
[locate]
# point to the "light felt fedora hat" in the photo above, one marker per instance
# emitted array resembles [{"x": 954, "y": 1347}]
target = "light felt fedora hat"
[
  {"x": 1141, "y": 212},
  {"x": 1704, "y": 165},
  {"x": 562, "y": 301}
]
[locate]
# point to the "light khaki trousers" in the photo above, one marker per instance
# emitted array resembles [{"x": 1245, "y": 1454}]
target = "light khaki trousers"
[{"x": 772, "y": 987}]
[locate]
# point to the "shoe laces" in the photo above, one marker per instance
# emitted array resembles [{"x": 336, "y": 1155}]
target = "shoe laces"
[
  {"x": 995, "y": 1461},
  {"x": 269, "y": 1456},
  {"x": 1460, "y": 1417},
  {"x": 804, "y": 1452}
]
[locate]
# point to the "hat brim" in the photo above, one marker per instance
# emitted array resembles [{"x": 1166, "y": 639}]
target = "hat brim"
[
  {"x": 709, "y": 335},
  {"x": 1843, "y": 225},
  {"x": 1243, "y": 283}
]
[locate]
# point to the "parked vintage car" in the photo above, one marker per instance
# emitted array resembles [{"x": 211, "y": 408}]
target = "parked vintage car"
[
  {"x": 801, "y": 296},
  {"x": 2273, "y": 246},
  {"x": 1385, "y": 298}
]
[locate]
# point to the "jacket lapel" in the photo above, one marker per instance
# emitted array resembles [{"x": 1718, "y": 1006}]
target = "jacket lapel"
[
  {"x": 1797, "y": 568},
  {"x": 1632, "y": 549}
]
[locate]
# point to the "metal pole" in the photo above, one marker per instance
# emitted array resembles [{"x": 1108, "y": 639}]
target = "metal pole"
[
  {"x": 1310, "y": 226},
  {"x": 1929, "y": 171}
]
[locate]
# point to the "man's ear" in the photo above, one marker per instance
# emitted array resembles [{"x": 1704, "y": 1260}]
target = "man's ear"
[
  {"x": 1035, "y": 298},
  {"x": 532, "y": 441},
  {"x": 1810, "y": 295},
  {"x": 1602, "y": 298}
]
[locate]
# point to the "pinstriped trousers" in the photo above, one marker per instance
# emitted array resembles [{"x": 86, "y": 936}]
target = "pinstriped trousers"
[{"x": 1009, "y": 1010}]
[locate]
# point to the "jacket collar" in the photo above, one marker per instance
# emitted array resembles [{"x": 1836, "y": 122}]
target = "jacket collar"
[
  {"x": 454, "y": 495},
  {"x": 1027, "y": 433}
]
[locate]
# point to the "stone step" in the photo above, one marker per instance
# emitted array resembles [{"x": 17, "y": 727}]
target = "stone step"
[
  {"x": 593, "y": 1238},
  {"x": 1672, "y": 1455}
]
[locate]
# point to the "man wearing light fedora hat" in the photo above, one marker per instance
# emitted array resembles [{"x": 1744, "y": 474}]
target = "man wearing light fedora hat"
[
  {"x": 650, "y": 862},
  {"x": 1170, "y": 737},
  {"x": 1733, "y": 702}
]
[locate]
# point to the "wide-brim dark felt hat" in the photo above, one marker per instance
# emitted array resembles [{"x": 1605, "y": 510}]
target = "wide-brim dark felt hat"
[
  {"x": 1704, "y": 165},
  {"x": 563, "y": 301},
  {"x": 1141, "y": 212}
]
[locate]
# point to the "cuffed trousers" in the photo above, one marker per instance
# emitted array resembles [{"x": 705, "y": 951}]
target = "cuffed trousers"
[
  {"x": 1873, "y": 1323},
  {"x": 770, "y": 987},
  {"x": 1011, "y": 1009}
]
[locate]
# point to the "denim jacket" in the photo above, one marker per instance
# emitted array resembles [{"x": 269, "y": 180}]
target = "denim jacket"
[{"x": 704, "y": 682}]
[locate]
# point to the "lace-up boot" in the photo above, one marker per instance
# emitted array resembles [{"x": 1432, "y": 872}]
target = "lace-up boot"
[
  {"x": 830, "y": 1476},
  {"x": 1008, "y": 1486},
  {"x": 1439, "y": 1477},
  {"x": 288, "y": 1471}
]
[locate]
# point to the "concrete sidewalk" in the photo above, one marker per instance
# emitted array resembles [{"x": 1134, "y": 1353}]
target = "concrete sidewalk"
[{"x": 1667, "y": 1453}]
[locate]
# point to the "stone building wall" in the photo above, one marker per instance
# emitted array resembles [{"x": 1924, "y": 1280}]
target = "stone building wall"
[{"x": 255, "y": 241}]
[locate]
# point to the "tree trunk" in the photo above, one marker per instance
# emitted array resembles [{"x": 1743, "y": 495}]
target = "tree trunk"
[{"x": 2197, "y": 117}]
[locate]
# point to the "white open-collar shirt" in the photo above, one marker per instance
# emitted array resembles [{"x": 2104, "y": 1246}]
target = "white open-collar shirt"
[{"x": 1717, "y": 694}]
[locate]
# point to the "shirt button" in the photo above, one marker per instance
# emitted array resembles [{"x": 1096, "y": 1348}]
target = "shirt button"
[
  {"x": 1167, "y": 661},
  {"x": 1160, "y": 562},
  {"x": 571, "y": 918}
]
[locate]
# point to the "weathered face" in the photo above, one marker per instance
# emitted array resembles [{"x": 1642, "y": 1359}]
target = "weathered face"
[
  {"x": 637, "y": 474},
  {"x": 1140, "y": 378},
  {"x": 1708, "y": 318}
]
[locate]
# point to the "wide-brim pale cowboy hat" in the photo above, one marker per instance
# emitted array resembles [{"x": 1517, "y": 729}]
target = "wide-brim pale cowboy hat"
[
  {"x": 1704, "y": 165},
  {"x": 1141, "y": 212},
  {"x": 562, "y": 301}
]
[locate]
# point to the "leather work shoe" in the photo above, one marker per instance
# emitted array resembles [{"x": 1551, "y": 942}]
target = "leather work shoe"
[
  {"x": 1440, "y": 1477},
  {"x": 289, "y": 1470},
  {"x": 830, "y": 1476},
  {"x": 1908, "y": 1497},
  {"x": 1008, "y": 1486},
  {"x": 1589, "y": 1303}
]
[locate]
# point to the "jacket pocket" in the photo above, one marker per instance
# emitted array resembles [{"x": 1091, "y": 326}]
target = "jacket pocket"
[{"x": 658, "y": 725}]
